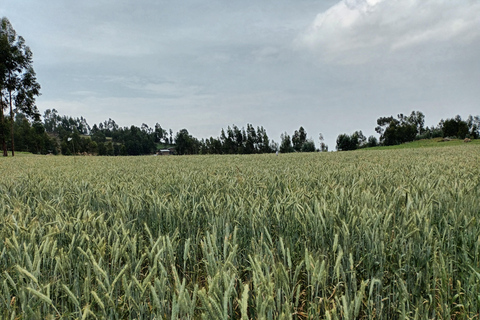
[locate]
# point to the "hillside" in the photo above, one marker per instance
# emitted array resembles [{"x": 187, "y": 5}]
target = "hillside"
[{"x": 426, "y": 143}]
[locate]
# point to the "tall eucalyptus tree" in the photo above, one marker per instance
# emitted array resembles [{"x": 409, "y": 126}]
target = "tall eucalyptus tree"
[{"x": 18, "y": 82}]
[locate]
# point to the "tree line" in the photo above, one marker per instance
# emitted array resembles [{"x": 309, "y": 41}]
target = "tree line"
[
  {"x": 394, "y": 131},
  {"x": 61, "y": 134}
]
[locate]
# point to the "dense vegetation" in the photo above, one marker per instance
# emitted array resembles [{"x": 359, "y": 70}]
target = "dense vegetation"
[
  {"x": 395, "y": 131},
  {"x": 355, "y": 235},
  {"x": 67, "y": 135},
  {"x": 18, "y": 82}
]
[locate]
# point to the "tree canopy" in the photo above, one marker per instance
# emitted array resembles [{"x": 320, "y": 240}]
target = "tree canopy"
[
  {"x": 402, "y": 129},
  {"x": 18, "y": 83},
  {"x": 353, "y": 142},
  {"x": 456, "y": 127}
]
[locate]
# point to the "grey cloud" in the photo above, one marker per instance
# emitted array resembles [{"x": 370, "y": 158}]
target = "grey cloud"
[{"x": 357, "y": 31}]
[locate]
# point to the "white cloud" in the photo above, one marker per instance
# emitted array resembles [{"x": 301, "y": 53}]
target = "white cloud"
[{"x": 356, "y": 31}]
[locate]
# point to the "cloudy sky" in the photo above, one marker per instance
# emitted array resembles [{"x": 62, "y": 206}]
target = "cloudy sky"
[{"x": 329, "y": 66}]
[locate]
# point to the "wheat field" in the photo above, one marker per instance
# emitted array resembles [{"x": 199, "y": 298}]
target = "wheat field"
[{"x": 389, "y": 234}]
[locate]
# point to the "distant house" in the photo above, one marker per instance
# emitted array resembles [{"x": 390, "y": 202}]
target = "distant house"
[{"x": 166, "y": 152}]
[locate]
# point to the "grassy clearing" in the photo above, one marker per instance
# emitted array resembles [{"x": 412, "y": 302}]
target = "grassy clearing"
[
  {"x": 18, "y": 154},
  {"x": 373, "y": 235},
  {"x": 427, "y": 143}
]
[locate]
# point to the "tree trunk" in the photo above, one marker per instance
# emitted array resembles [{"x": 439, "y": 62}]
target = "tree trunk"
[
  {"x": 2, "y": 128},
  {"x": 11, "y": 126}
]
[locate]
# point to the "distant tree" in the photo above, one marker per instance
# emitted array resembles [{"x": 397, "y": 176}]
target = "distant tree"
[
  {"x": 234, "y": 140},
  {"x": 92, "y": 147},
  {"x": 403, "y": 129},
  {"x": 110, "y": 150},
  {"x": 146, "y": 129},
  {"x": 185, "y": 143},
  {"x": 123, "y": 150},
  {"x": 31, "y": 136},
  {"x": 18, "y": 83},
  {"x": 160, "y": 133},
  {"x": 239, "y": 138},
  {"x": 359, "y": 139},
  {"x": 353, "y": 142},
  {"x": 102, "y": 149},
  {"x": 63, "y": 126},
  {"x": 308, "y": 146},
  {"x": 431, "y": 132},
  {"x": 227, "y": 141},
  {"x": 274, "y": 146},
  {"x": 298, "y": 139},
  {"x": 372, "y": 142},
  {"x": 455, "y": 127},
  {"x": 263, "y": 142},
  {"x": 211, "y": 146},
  {"x": 344, "y": 143},
  {"x": 109, "y": 127},
  {"x": 323, "y": 146},
  {"x": 251, "y": 145},
  {"x": 473, "y": 124},
  {"x": 417, "y": 118},
  {"x": 50, "y": 120},
  {"x": 98, "y": 136},
  {"x": 72, "y": 144},
  {"x": 286, "y": 143}
]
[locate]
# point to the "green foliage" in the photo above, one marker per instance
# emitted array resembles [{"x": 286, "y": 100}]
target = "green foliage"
[
  {"x": 473, "y": 124},
  {"x": 185, "y": 143},
  {"x": 105, "y": 139},
  {"x": 298, "y": 142},
  {"x": 31, "y": 137},
  {"x": 403, "y": 129},
  {"x": 457, "y": 128},
  {"x": 18, "y": 83},
  {"x": 286, "y": 144},
  {"x": 357, "y": 235},
  {"x": 308, "y": 146},
  {"x": 298, "y": 139},
  {"x": 372, "y": 142},
  {"x": 238, "y": 141},
  {"x": 63, "y": 126},
  {"x": 353, "y": 142}
]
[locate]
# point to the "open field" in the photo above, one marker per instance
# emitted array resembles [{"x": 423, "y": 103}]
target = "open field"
[
  {"x": 378, "y": 234},
  {"x": 427, "y": 143}
]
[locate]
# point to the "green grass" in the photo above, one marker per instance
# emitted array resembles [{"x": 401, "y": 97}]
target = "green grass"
[
  {"x": 426, "y": 143},
  {"x": 19, "y": 154},
  {"x": 164, "y": 146}
]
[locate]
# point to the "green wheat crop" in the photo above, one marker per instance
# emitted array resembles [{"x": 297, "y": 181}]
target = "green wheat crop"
[{"x": 356, "y": 235}]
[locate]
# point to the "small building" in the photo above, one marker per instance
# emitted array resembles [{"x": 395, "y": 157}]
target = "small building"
[{"x": 166, "y": 152}]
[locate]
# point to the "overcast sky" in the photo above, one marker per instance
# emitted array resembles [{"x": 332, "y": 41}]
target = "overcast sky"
[{"x": 329, "y": 66}]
